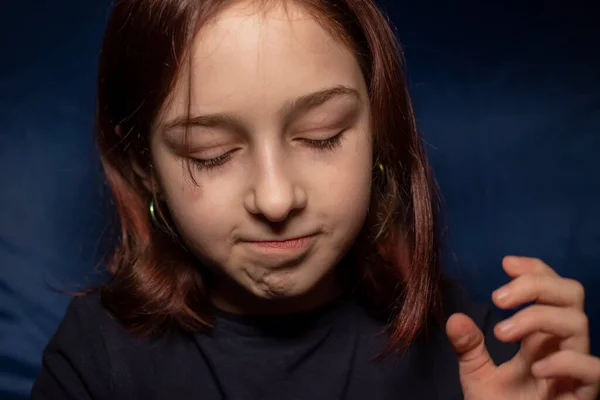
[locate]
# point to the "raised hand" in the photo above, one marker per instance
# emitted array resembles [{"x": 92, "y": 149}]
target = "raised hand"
[{"x": 553, "y": 361}]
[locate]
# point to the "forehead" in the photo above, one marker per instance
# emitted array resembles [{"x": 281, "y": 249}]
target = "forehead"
[{"x": 262, "y": 57}]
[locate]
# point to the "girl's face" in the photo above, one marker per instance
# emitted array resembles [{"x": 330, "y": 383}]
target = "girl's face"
[{"x": 280, "y": 144}]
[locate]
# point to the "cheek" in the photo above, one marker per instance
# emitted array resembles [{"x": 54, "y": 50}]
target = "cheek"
[
  {"x": 204, "y": 225},
  {"x": 198, "y": 222},
  {"x": 200, "y": 211},
  {"x": 346, "y": 193},
  {"x": 349, "y": 196}
]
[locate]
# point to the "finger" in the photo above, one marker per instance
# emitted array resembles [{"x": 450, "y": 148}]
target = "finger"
[
  {"x": 516, "y": 266},
  {"x": 569, "y": 364},
  {"x": 566, "y": 323},
  {"x": 544, "y": 289},
  {"x": 569, "y": 396},
  {"x": 538, "y": 346},
  {"x": 466, "y": 338}
]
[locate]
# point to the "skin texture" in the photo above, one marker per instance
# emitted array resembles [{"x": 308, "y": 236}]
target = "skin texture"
[{"x": 251, "y": 70}]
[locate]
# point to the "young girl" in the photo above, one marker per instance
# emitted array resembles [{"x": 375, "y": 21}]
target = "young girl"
[{"x": 277, "y": 226}]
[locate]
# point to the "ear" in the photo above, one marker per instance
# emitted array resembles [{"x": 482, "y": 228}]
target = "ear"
[{"x": 143, "y": 174}]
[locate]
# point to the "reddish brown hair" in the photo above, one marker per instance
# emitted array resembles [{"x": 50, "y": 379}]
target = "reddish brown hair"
[{"x": 155, "y": 283}]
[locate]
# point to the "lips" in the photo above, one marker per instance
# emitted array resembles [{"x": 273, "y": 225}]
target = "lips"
[
  {"x": 284, "y": 244},
  {"x": 295, "y": 243}
]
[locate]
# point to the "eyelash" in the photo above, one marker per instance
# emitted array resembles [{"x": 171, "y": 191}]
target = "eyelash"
[
  {"x": 212, "y": 163},
  {"x": 321, "y": 145},
  {"x": 326, "y": 144}
]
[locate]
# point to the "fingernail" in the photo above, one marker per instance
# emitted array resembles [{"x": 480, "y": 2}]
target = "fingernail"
[
  {"x": 506, "y": 325},
  {"x": 512, "y": 260},
  {"x": 501, "y": 294}
]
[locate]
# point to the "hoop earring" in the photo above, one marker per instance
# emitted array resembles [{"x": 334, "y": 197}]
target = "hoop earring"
[
  {"x": 153, "y": 213},
  {"x": 381, "y": 169},
  {"x": 164, "y": 226},
  {"x": 382, "y": 177}
]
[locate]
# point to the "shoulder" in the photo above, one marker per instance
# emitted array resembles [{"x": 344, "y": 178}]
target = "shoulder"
[
  {"x": 92, "y": 355},
  {"x": 86, "y": 311},
  {"x": 86, "y": 323},
  {"x": 82, "y": 326},
  {"x": 75, "y": 363}
]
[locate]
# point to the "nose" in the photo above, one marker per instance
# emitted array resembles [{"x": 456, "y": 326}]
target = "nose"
[{"x": 274, "y": 194}]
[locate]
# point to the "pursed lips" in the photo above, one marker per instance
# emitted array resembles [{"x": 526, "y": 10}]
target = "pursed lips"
[{"x": 291, "y": 243}]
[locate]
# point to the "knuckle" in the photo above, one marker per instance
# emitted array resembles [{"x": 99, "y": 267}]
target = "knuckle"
[
  {"x": 538, "y": 262},
  {"x": 540, "y": 267},
  {"x": 584, "y": 322},
  {"x": 538, "y": 281},
  {"x": 578, "y": 290},
  {"x": 534, "y": 284}
]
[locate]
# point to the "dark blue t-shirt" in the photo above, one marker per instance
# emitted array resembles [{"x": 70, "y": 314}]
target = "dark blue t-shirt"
[{"x": 326, "y": 354}]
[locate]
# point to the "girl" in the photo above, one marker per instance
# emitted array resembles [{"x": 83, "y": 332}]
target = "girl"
[{"x": 277, "y": 226}]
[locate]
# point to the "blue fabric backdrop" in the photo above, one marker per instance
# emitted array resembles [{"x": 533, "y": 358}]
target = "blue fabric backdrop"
[{"x": 507, "y": 96}]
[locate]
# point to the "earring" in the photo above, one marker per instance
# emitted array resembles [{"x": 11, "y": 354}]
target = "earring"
[
  {"x": 381, "y": 178},
  {"x": 153, "y": 212},
  {"x": 164, "y": 226}
]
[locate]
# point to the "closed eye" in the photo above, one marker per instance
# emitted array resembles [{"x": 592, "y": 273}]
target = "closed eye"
[
  {"x": 212, "y": 163},
  {"x": 325, "y": 144},
  {"x": 318, "y": 144}
]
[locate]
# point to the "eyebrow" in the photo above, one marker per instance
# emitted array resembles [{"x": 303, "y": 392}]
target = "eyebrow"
[{"x": 290, "y": 110}]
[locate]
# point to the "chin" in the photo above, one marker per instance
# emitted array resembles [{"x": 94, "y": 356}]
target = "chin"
[
  {"x": 280, "y": 285},
  {"x": 296, "y": 290}
]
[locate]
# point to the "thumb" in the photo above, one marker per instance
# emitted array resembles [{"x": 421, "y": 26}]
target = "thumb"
[{"x": 474, "y": 361}]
